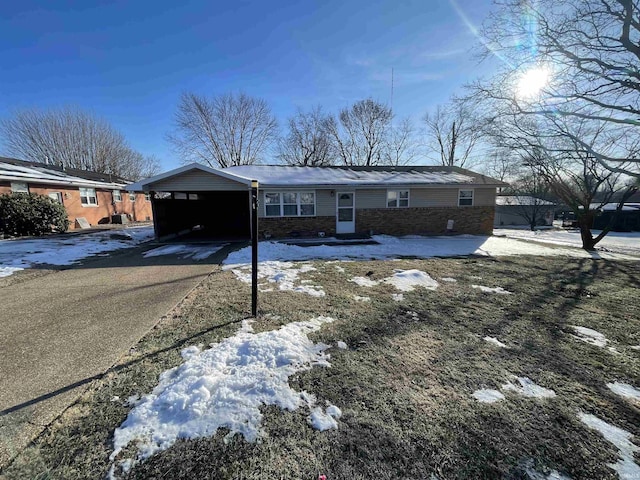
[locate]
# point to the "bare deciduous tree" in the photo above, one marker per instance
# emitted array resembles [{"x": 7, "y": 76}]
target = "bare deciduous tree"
[
  {"x": 361, "y": 135},
  {"x": 589, "y": 51},
  {"x": 223, "y": 131},
  {"x": 401, "y": 147},
  {"x": 529, "y": 192},
  {"x": 452, "y": 134},
  {"x": 308, "y": 141},
  {"x": 72, "y": 138}
]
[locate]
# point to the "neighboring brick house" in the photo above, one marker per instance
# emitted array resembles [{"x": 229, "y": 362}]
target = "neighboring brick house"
[
  {"x": 312, "y": 201},
  {"x": 93, "y": 196}
]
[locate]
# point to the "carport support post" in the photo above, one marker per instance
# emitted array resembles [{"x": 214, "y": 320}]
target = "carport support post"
[{"x": 254, "y": 248}]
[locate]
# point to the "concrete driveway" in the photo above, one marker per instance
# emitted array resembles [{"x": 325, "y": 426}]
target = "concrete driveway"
[{"x": 61, "y": 330}]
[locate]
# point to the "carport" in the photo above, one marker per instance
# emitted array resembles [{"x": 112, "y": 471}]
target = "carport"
[{"x": 200, "y": 202}]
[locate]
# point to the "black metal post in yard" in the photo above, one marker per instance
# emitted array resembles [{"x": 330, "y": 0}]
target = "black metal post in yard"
[{"x": 254, "y": 248}]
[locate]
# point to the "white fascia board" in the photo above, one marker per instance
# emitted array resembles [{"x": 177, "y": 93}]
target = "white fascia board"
[
  {"x": 192, "y": 166},
  {"x": 63, "y": 182}
]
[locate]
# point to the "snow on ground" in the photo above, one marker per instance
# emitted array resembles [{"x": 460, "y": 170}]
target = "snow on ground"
[
  {"x": 495, "y": 342},
  {"x": 403, "y": 280},
  {"x": 492, "y": 290},
  {"x": 398, "y": 297},
  {"x": 324, "y": 420},
  {"x": 66, "y": 249},
  {"x": 592, "y": 337},
  {"x": 407, "y": 280},
  {"x": 487, "y": 395},
  {"x": 528, "y": 389},
  {"x": 225, "y": 386},
  {"x": 342, "y": 345},
  {"x": 283, "y": 274},
  {"x": 197, "y": 252},
  {"x": 624, "y": 390},
  {"x": 389, "y": 247},
  {"x": 533, "y": 474},
  {"x": 358, "y": 298},
  {"x": 621, "y": 242},
  {"x": 448, "y": 279},
  {"x": 626, "y": 466},
  {"x": 364, "y": 281}
]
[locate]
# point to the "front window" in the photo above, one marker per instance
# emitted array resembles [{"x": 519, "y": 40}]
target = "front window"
[
  {"x": 465, "y": 198},
  {"x": 397, "y": 198},
  {"x": 117, "y": 196},
  {"x": 88, "y": 196},
  {"x": 19, "y": 187},
  {"x": 290, "y": 204}
]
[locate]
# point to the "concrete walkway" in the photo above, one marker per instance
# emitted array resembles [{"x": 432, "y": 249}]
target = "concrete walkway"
[{"x": 61, "y": 330}]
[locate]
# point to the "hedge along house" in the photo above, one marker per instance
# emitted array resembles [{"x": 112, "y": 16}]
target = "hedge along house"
[
  {"x": 95, "y": 197},
  {"x": 312, "y": 201}
]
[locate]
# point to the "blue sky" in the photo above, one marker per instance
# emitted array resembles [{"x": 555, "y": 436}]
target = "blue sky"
[{"x": 129, "y": 61}]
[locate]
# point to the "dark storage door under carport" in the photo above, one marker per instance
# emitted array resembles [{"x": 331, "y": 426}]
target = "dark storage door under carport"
[{"x": 220, "y": 214}]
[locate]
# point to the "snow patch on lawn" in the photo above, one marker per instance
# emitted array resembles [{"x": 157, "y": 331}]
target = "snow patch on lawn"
[
  {"x": 626, "y": 466},
  {"x": 388, "y": 247},
  {"x": 492, "y": 290},
  {"x": 283, "y": 274},
  {"x": 495, "y": 342},
  {"x": 324, "y": 420},
  {"x": 407, "y": 280},
  {"x": 448, "y": 279},
  {"x": 364, "y": 281},
  {"x": 6, "y": 271},
  {"x": 487, "y": 395},
  {"x": 398, "y": 297},
  {"x": 528, "y": 388},
  {"x": 19, "y": 254},
  {"x": 342, "y": 345},
  {"x": 197, "y": 252},
  {"x": 624, "y": 390},
  {"x": 225, "y": 386},
  {"x": 590, "y": 336},
  {"x": 358, "y": 298},
  {"x": 533, "y": 474}
]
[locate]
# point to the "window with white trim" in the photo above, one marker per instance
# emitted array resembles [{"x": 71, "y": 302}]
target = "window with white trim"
[
  {"x": 147, "y": 197},
  {"x": 117, "y": 196},
  {"x": 465, "y": 198},
  {"x": 88, "y": 196},
  {"x": 397, "y": 198},
  {"x": 132, "y": 196},
  {"x": 290, "y": 204},
  {"x": 19, "y": 187}
]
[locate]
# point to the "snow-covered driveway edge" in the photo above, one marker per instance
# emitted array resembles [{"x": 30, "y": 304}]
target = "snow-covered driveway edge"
[{"x": 19, "y": 254}]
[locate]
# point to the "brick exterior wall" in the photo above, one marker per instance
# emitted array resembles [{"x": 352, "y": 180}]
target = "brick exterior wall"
[
  {"x": 297, "y": 226},
  {"x": 390, "y": 221},
  {"x": 138, "y": 210},
  {"x": 425, "y": 221}
]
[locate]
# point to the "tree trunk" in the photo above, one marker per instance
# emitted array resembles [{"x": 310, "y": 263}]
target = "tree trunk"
[{"x": 585, "y": 222}]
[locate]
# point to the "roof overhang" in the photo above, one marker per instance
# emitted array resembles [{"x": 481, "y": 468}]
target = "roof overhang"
[{"x": 146, "y": 184}]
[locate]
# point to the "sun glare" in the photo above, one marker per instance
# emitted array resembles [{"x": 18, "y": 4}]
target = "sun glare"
[{"x": 532, "y": 82}]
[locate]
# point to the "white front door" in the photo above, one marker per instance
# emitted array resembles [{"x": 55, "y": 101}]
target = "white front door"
[{"x": 345, "y": 212}]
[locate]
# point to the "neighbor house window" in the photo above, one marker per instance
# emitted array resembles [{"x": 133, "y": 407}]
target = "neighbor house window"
[
  {"x": 117, "y": 196},
  {"x": 56, "y": 196},
  {"x": 147, "y": 197},
  {"x": 132, "y": 196},
  {"x": 397, "y": 198},
  {"x": 290, "y": 204},
  {"x": 88, "y": 196},
  {"x": 19, "y": 187},
  {"x": 465, "y": 198}
]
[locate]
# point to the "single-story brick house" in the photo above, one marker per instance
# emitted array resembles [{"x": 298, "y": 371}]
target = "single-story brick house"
[
  {"x": 515, "y": 210},
  {"x": 312, "y": 201},
  {"x": 96, "y": 197}
]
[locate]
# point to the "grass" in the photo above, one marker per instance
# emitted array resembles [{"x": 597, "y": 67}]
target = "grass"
[{"x": 405, "y": 383}]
